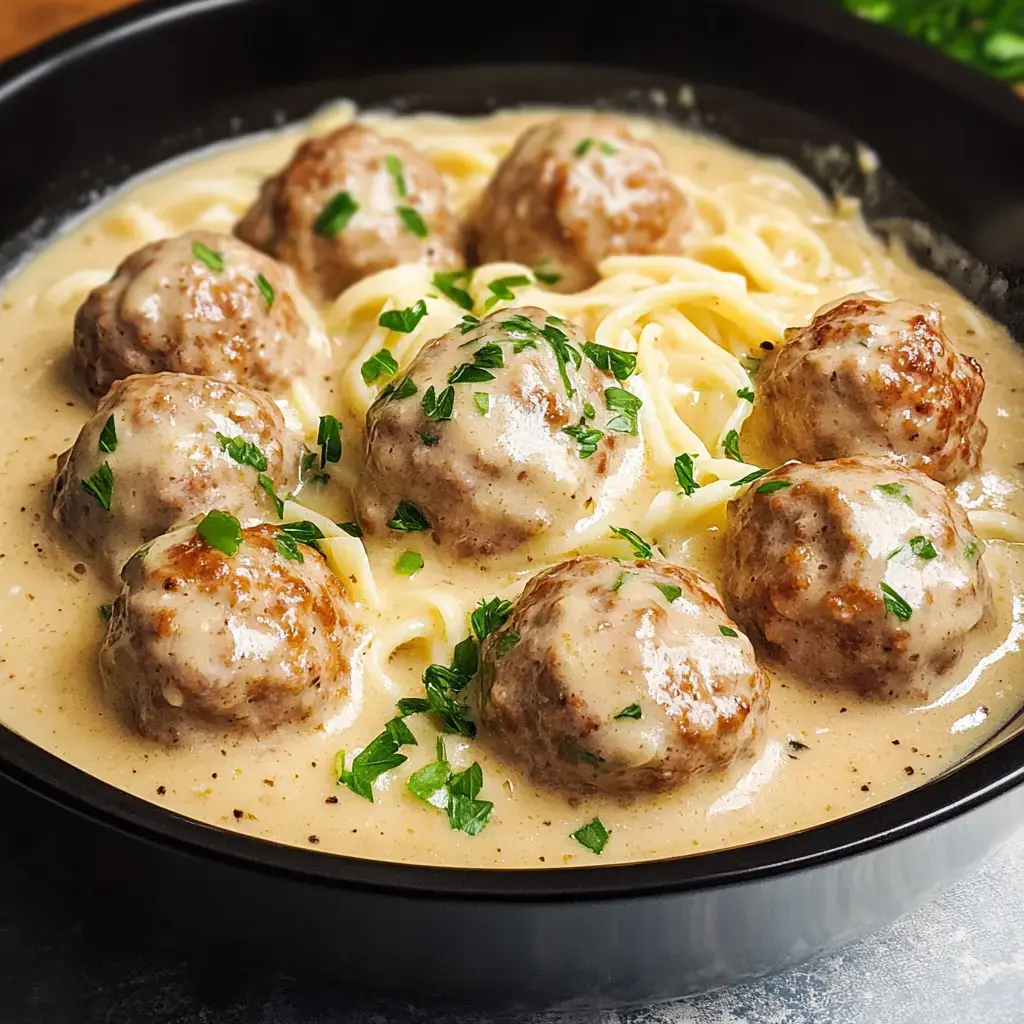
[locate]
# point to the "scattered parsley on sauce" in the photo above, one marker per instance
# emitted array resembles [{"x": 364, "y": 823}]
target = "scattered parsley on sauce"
[
  {"x": 626, "y": 405},
  {"x": 619, "y": 580},
  {"x": 973, "y": 548},
  {"x": 612, "y": 360},
  {"x": 670, "y": 590},
  {"x": 633, "y": 712},
  {"x": 727, "y": 631},
  {"x": 380, "y": 364},
  {"x": 108, "y": 436},
  {"x": 581, "y": 147},
  {"x": 468, "y": 323},
  {"x": 501, "y": 289},
  {"x": 397, "y": 171},
  {"x": 409, "y": 563},
  {"x": 489, "y": 357},
  {"x": 683, "y": 467},
  {"x": 438, "y": 407},
  {"x": 774, "y": 485},
  {"x": 243, "y": 451},
  {"x": 429, "y": 438},
  {"x": 506, "y": 642},
  {"x": 303, "y": 532},
  {"x": 335, "y": 215},
  {"x": 749, "y": 478},
  {"x": 352, "y": 529},
  {"x": 593, "y": 835},
  {"x": 101, "y": 485},
  {"x": 457, "y": 793},
  {"x": 451, "y": 283},
  {"x": 442, "y": 684},
  {"x": 641, "y": 549},
  {"x": 328, "y": 437},
  {"x": 222, "y": 531},
  {"x": 545, "y": 274},
  {"x": 406, "y": 388},
  {"x": 379, "y": 756},
  {"x": 288, "y": 547},
  {"x": 746, "y": 394},
  {"x": 489, "y": 616},
  {"x": 482, "y": 401},
  {"x": 897, "y": 491},
  {"x": 895, "y": 604},
  {"x": 413, "y": 222},
  {"x": 430, "y": 783},
  {"x": 403, "y": 321},
  {"x": 266, "y": 290},
  {"x": 587, "y": 438},
  {"x": 206, "y": 255},
  {"x": 408, "y": 519},
  {"x": 268, "y": 485},
  {"x": 923, "y": 548},
  {"x": 731, "y": 446}
]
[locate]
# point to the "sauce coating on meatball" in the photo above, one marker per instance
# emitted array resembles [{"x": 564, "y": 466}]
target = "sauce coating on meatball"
[
  {"x": 201, "y": 303},
  {"x": 877, "y": 378},
  {"x": 162, "y": 448},
  {"x": 574, "y": 190},
  {"x": 350, "y": 204},
  {"x": 855, "y": 573},
  {"x": 528, "y": 446},
  {"x": 202, "y": 640},
  {"x": 620, "y": 677}
]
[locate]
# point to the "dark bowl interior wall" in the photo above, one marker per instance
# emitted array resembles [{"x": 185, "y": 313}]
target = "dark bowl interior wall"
[{"x": 77, "y": 121}]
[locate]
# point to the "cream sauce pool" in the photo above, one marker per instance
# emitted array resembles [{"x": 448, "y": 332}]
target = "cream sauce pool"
[{"x": 825, "y": 755}]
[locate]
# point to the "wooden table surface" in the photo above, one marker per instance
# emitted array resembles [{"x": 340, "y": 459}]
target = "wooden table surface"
[{"x": 23, "y": 23}]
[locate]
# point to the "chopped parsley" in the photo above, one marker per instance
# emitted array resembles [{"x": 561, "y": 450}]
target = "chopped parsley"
[
  {"x": 108, "y": 436},
  {"x": 589, "y": 411},
  {"x": 897, "y": 491},
  {"x": 749, "y": 478},
  {"x": 467, "y": 323},
  {"x": 564, "y": 352},
  {"x": 585, "y": 145},
  {"x": 482, "y": 401},
  {"x": 670, "y": 590},
  {"x": 101, "y": 485},
  {"x": 438, "y": 407},
  {"x": 641, "y": 549},
  {"x": 746, "y": 394},
  {"x": 405, "y": 389},
  {"x": 268, "y": 485},
  {"x": 381, "y": 364},
  {"x": 611, "y": 360},
  {"x": 408, "y": 519},
  {"x": 593, "y": 835},
  {"x": 106, "y": 610},
  {"x": 413, "y": 222},
  {"x": 731, "y": 446},
  {"x": 683, "y": 467},
  {"x": 626, "y": 405},
  {"x": 923, "y": 548},
  {"x": 352, "y": 529},
  {"x": 489, "y": 616},
  {"x": 501, "y": 289},
  {"x": 450, "y": 284},
  {"x": 727, "y": 631},
  {"x": 206, "y": 255},
  {"x": 489, "y": 357},
  {"x": 266, "y": 290},
  {"x": 506, "y": 642},
  {"x": 335, "y": 215},
  {"x": 456, "y": 793},
  {"x": 377, "y": 757},
  {"x": 397, "y": 172},
  {"x": 973, "y": 548},
  {"x": 545, "y": 274},
  {"x": 328, "y": 437},
  {"x": 619, "y": 580},
  {"x": 288, "y": 547},
  {"x": 403, "y": 321},
  {"x": 303, "y": 532},
  {"x": 429, "y": 438},
  {"x": 409, "y": 563},
  {"x": 588, "y": 438},
  {"x": 221, "y": 530},
  {"x": 632, "y": 711},
  {"x": 774, "y": 485},
  {"x": 442, "y": 684},
  {"x": 243, "y": 451},
  {"x": 895, "y": 604}
]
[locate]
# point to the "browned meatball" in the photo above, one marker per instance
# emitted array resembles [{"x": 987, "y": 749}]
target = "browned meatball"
[
  {"x": 877, "y": 378},
  {"x": 620, "y": 677},
  {"x": 171, "y": 450},
  {"x": 350, "y": 204},
  {"x": 855, "y": 573},
  {"x": 575, "y": 190},
  {"x": 200, "y": 640},
  {"x": 493, "y": 462},
  {"x": 201, "y": 303}
]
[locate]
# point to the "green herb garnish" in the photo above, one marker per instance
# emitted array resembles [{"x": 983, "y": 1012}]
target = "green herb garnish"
[
  {"x": 397, "y": 172},
  {"x": 377, "y": 757},
  {"x": 923, "y": 548},
  {"x": 438, "y": 407},
  {"x": 670, "y": 590},
  {"x": 408, "y": 519},
  {"x": 611, "y": 360},
  {"x": 381, "y": 364},
  {"x": 221, "y": 530},
  {"x": 108, "y": 436},
  {"x": 973, "y": 548},
  {"x": 409, "y": 563},
  {"x": 268, "y": 486},
  {"x": 333, "y": 218},
  {"x": 413, "y": 222},
  {"x": 749, "y": 478},
  {"x": 895, "y": 603},
  {"x": 106, "y": 610},
  {"x": 266, "y": 290},
  {"x": 641, "y": 549},
  {"x": 619, "y": 580},
  {"x": 588, "y": 438},
  {"x": 898, "y": 491},
  {"x": 403, "y": 321},
  {"x": 429, "y": 438},
  {"x": 501, "y": 289},
  {"x": 101, "y": 485},
  {"x": 243, "y": 451},
  {"x": 746, "y": 394},
  {"x": 545, "y": 275},
  {"x": 206, "y": 255},
  {"x": 352, "y": 529},
  {"x": 774, "y": 485},
  {"x": 632, "y": 712},
  {"x": 506, "y": 642},
  {"x": 405, "y": 389},
  {"x": 449, "y": 284},
  {"x": 727, "y": 631},
  {"x": 593, "y": 835},
  {"x": 328, "y": 437},
  {"x": 482, "y": 401},
  {"x": 490, "y": 616},
  {"x": 627, "y": 405},
  {"x": 683, "y": 467},
  {"x": 731, "y": 446}
]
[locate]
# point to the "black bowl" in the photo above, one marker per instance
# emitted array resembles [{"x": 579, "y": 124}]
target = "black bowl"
[{"x": 84, "y": 112}]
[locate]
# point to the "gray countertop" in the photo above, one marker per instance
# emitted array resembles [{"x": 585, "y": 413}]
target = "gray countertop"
[{"x": 957, "y": 960}]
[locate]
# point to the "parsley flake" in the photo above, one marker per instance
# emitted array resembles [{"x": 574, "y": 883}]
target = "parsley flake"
[
  {"x": 612, "y": 360},
  {"x": 749, "y": 478},
  {"x": 101, "y": 485},
  {"x": 335, "y": 215},
  {"x": 450, "y": 284},
  {"x": 403, "y": 321},
  {"x": 413, "y": 222},
  {"x": 545, "y": 274},
  {"x": 243, "y": 451},
  {"x": 626, "y": 405},
  {"x": 408, "y": 563},
  {"x": 328, "y": 437},
  {"x": 268, "y": 486},
  {"x": 641, "y": 549},
  {"x": 381, "y": 364},
  {"x": 501, "y": 289},
  {"x": 489, "y": 616},
  {"x": 397, "y": 172},
  {"x": 108, "y": 436},
  {"x": 352, "y": 529},
  {"x": 897, "y": 491},
  {"x": 587, "y": 438},
  {"x": 895, "y": 604},
  {"x": 206, "y": 255},
  {"x": 670, "y": 590},
  {"x": 923, "y": 548},
  {"x": 377, "y": 757},
  {"x": 727, "y": 631},
  {"x": 731, "y": 446},
  {"x": 619, "y": 580},
  {"x": 973, "y": 548},
  {"x": 405, "y": 389},
  {"x": 746, "y": 394},
  {"x": 221, "y": 530},
  {"x": 482, "y": 401},
  {"x": 429, "y": 438},
  {"x": 408, "y": 519},
  {"x": 633, "y": 712},
  {"x": 266, "y": 290},
  {"x": 593, "y": 835},
  {"x": 438, "y": 407},
  {"x": 506, "y": 642},
  {"x": 774, "y": 485},
  {"x": 683, "y": 467}
]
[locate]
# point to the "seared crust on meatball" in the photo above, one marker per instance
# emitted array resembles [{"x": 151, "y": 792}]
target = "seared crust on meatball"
[
  {"x": 574, "y": 190},
  {"x": 877, "y": 378},
  {"x": 620, "y": 677},
  {"x": 384, "y": 179},
  {"x": 501, "y": 469},
  {"x": 855, "y": 573},
  {"x": 202, "y": 303},
  {"x": 167, "y": 462},
  {"x": 199, "y": 640}
]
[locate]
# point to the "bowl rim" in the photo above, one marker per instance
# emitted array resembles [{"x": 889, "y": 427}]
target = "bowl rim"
[{"x": 940, "y": 800}]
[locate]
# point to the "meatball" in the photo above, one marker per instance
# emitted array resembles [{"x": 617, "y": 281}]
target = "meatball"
[
  {"x": 350, "y": 204},
  {"x": 201, "y": 640},
  {"x": 877, "y": 378},
  {"x": 574, "y": 190},
  {"x": 162, "y": 448},
  {"x": 854, "y": 573},
  {"x": 620, "y": 677},
  {"x": 523, "y": 443},
  {"x": 201, "y": 303}
]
